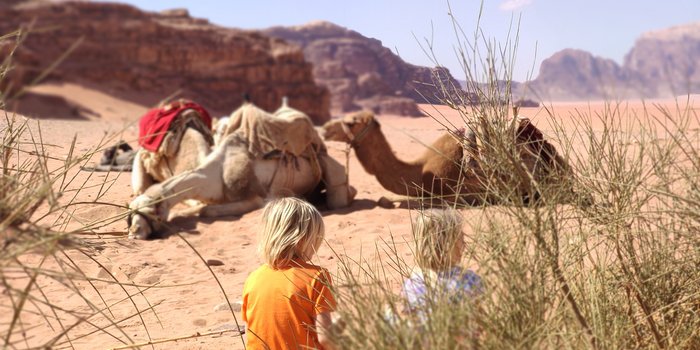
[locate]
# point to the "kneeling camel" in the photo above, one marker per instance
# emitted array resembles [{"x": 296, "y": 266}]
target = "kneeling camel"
[
  {"x": 234, "y": 180},
  {"x": 452, "y": 168}
]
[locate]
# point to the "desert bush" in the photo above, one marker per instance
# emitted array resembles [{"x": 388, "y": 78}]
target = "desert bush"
[
  {"x": 38, "y": 194},
  {"x": 45, "y": 247},
  {"x": 617, "y": 270}
]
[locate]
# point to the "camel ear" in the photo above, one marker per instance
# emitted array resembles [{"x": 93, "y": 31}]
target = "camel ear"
[
  {"x": 350, "y": 120},
  {"x": 367, "y": 117},
  {"x": 363, "y": 117}
]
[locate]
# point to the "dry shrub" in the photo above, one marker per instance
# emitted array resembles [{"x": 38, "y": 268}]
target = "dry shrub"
[
  {"x": 44, "y": 247},
  {"x": 618, "y": 269}
]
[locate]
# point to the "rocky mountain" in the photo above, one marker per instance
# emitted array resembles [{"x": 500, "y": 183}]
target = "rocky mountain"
[
  {"x": 361, "y": 73},
  {"x": 574, "y": 74},
  {"x": 123, "y": 50},
  {"x": 661, "y": 63},
  {"x": 667, "y": 60}
]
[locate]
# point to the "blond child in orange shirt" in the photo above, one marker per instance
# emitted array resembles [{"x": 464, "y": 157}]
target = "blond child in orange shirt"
[{"x": 287, "y": 302}]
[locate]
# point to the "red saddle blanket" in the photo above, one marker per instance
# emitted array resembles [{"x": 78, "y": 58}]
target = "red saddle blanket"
[{"x": 156, "y": 122}]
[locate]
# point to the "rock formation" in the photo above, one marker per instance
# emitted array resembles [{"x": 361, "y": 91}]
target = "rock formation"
[
  {"x": 572, "y": 74},
  {"x": 361, "y": 73},
  {"x": 661, "y": 63},
  {"x": 668, "y": 60},
  {"x": 121, "y": 49}
]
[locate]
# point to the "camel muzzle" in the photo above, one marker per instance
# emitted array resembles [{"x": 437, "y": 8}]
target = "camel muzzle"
[{"x": 153, "y": 223}]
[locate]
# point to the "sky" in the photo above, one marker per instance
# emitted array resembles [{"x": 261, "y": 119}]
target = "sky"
[{"x": 605, "y": 28}]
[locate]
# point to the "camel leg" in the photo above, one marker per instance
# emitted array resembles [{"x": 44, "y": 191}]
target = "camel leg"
[
  {"x": 195, "y": 184},
  {"x": 203, "y": 184},
  {"x": 140, "y": 180},
  {"x": 339, "y": 193},
  {"x": 235, "y": 208},
  {"x": 158, "y": 199}
]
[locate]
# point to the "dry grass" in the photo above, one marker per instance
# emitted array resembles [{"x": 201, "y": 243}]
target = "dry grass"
[
  {"x": 623, "y": 272},
  {"x": 44, "y": 247},
  {"x": 620, "y": 273}
]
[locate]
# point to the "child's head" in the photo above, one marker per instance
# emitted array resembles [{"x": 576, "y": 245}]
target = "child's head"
[
  {"x": 439, "y": 238},
  {"x": 291, "y": 228}
]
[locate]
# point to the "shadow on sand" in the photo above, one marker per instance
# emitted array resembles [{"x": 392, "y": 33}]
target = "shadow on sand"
[
  {"x": 46, "y": 106},
  {"x": 186, "y": 221}
]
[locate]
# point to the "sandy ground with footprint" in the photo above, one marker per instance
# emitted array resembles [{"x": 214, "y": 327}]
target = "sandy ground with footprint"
[{"x": 184, "y": 296}]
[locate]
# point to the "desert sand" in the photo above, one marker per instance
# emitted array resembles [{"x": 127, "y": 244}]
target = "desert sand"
[{"x": 185, "y": 296}]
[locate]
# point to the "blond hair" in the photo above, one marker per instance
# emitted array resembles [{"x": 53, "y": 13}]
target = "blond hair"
[
  {"x": 436, "y": 232},
  {"x": 291, "y": 228}
]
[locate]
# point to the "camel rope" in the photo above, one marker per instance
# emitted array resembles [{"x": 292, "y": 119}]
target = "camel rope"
[
  {"x": 355, "y": 139},
  {"x": 274, "y": 174},
  {"x": 347, "y": 164}
]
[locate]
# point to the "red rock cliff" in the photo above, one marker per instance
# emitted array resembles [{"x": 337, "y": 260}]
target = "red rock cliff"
[
  {"x": 361, "y": 73},
  {"x": 121, "y": 48}
]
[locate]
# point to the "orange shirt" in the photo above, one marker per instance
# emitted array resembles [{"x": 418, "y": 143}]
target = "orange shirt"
[{"x": 279, "y": 306}]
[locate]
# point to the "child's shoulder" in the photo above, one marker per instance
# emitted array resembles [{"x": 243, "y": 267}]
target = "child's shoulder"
[
  {"x": 467, "y": 279},
  {"x": 295, "y": 270},
  {"x": 260, "y": 270},
  {"x": 312, "y": 269},
  {"x": 307, "y": 265},
  {"x": 459, "y": 272}
]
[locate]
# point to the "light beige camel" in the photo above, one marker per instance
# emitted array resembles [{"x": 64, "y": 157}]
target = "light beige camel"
[
  {"x": 235, "y": 179},
  {"x": 450, "y": 168},
  {"x": 185, "y": 146}
]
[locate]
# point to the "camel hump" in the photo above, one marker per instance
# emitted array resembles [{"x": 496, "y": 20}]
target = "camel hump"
[
  {"x": 286, "y": 112},
  {"x": 533, "y": 137},
  {"x": 193, "y": 118},
  {"x": 289, "y": 130},
  {"x": 528, "y": 131}
]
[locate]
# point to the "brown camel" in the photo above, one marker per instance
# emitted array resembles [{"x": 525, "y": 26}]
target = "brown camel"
[{"x": 452, "y": 165}]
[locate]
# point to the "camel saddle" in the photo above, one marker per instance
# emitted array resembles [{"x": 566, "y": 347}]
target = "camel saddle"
[
  {"x": 287, "y": 133},
  {"x": 155, "y": 124}
]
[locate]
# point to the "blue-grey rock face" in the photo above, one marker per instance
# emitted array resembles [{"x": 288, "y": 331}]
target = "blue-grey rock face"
[{"x": 661, "y": 63}]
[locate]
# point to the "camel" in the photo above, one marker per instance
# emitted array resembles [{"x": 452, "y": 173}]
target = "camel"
[
  {"x": 219, "y": 126},
  {"x": 185, "y": 145},
  {"x": 452, "y": 167},
  {"x": 246, "y": 168}
]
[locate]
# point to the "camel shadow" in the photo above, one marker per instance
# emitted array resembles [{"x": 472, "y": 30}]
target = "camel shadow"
[
  {"x": 47, "y": 106},
  {"x": 178, "y": 224},
  {"x": 187, "y": 223},
  {"x": 357, "y": 205}
]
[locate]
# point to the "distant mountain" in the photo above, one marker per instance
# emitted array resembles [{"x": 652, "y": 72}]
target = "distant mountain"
[
  {"x": 662, "y": 63},
  {"x": 575, "y": 74},
  {"x": 667, "y": 60},
  {"x": 361, "y": 73}
]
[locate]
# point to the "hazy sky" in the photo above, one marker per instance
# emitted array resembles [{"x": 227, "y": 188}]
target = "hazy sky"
[{"x": 606, "y": 28}]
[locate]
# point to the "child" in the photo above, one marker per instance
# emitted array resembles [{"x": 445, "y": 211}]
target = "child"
[
  {"x": 439, "y": 245},
  {"x": 287, "y": 302}
]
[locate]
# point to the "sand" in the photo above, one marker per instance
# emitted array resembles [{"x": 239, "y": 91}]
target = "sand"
[{"x": 185, "y": 296}]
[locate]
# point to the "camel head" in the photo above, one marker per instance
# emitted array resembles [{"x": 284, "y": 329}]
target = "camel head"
[
  {"x": 144, "y": 218},
  {"x": 219, "y": 126},
  {"x": 351, "y": 128}
]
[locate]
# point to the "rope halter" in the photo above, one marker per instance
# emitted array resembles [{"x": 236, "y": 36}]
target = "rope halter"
[{"x": 355, "y": 139}]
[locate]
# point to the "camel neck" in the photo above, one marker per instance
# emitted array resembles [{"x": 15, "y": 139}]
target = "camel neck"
[{"x": 377, "y": 158}]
